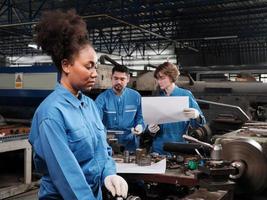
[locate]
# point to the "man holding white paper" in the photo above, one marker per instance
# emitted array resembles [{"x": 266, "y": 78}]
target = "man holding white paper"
[{"x": 166, "y": 74}]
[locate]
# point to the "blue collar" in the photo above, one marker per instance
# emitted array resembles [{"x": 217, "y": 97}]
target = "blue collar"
[
  {"x": 68, "y": 96},
  {"x": 122, "y": 93},
  {"x": 163, "y": 93}
]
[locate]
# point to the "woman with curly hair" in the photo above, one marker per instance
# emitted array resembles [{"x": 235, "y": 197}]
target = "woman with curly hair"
[{"x": 67, "y": 134}]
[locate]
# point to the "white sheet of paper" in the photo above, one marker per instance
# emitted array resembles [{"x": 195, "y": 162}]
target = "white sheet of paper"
[
  {"x": 132, "y": 168},
  {"x": 160, "y": 110}
]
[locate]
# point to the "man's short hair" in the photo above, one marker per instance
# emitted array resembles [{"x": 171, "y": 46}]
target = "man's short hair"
[{"x": 120, "y": 68}]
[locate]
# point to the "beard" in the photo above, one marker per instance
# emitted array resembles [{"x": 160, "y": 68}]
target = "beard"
[{"x": 118, "y": 88}]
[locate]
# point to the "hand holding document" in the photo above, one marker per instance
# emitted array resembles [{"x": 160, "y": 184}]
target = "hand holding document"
[{"x": 160, "y": 110}]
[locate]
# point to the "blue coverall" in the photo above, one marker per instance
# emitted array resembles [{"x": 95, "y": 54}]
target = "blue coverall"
[
  {"x": 121, "y": 113},
  {"x": 70, "y": 147},
  {"x": 172, "y": 132}
]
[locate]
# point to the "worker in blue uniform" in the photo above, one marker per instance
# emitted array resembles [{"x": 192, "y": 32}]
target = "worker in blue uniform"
[
  {"x": 67, "y": 135},
  {"x": 120, "y": 109},
  {"x": 166, "y": 75}
]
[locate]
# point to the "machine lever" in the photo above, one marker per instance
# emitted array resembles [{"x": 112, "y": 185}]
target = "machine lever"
[{"x": 189, "y": 138}]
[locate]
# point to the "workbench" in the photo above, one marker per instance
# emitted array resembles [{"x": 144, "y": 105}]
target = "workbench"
[
  {"x": 14, "y": 145},
  {"x": 171, "y": 176}
]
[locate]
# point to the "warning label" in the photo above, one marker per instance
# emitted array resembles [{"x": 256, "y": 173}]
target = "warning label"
[{"x": 18, "y": 80}]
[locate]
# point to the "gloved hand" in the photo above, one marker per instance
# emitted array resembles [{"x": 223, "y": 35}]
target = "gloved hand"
[
  {"x": 153, "y": 128},
  {"x": 116, "y": 185},
  {"x": 137, "y": 130},
  {"x": 191, "y": 113}
]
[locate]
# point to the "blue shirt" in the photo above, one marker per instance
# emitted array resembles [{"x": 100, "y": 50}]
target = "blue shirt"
[
  {"x": 121, "y": 113},
  {"x": 173, "y": 132},
  {"x": 70, "y": 147}
]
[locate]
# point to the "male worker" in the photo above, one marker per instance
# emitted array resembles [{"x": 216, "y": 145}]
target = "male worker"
[{"x": 120, "y": 109}]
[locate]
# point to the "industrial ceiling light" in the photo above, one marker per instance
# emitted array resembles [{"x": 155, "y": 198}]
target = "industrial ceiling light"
[
  {"x": 221, "y": 37},
  {"x": 34, "y": 46}
]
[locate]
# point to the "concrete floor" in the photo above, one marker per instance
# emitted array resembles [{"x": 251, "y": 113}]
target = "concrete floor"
[
  {"x": 31, "y": 195},
  {"x": 10, "y": 184}
]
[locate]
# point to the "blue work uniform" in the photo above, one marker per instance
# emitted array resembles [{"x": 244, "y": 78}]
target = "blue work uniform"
[
  {"x": 121, "y": 113},
  {"x": 70, "y": 147},
  {"x": 173, "y": 132}
]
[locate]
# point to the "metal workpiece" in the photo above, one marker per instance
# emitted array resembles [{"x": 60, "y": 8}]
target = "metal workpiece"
[
  {"x": 142, "y": 158},
  {"x": 216, "y": 153},
  {"x": 126, "y": 157},
  {"x": 249, "y": 160},
  {"x": 216, "y": 149},
  {"x": 202, "y": 133},
  {"x": 129, "y": 198}
]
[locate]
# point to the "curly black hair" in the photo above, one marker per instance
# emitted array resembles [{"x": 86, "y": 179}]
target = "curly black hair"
[{"x": 61, "y": 35}]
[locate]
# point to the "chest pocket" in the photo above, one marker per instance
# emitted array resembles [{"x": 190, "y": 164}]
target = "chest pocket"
[
  {"x": 110, "y": 118},
  {"x": 77, "y": 135},
  {"x": 130, "y": 112},
  {"x": 81, "y": 143},
  {"x": 100, "y": 131}
]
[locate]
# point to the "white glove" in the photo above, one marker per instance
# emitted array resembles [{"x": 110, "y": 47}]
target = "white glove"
[
  {"x": 137, "y": 130},
  {"x": 191, "y": 113},
  {"x": 153, "y": 128},
  {"x": 116, "y": 185}
]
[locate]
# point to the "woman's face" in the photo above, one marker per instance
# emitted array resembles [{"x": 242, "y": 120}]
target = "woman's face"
[
  {"x": 163, "y": 81},
  {"x": 82, "y": 71}
]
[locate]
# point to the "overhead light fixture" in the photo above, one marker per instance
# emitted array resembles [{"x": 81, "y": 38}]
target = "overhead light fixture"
[
  {"x": 34, "y": 46},
  {"x": 221, "y": 37}
]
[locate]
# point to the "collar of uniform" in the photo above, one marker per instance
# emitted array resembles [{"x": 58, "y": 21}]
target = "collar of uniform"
[
  {"x": 66, "y": 94},
  {"x": 175, "y": 87},
  {"x": 122, "y": 93},
  {"x": 81, "y": 98},
  {"x": 163, "y": 93}
]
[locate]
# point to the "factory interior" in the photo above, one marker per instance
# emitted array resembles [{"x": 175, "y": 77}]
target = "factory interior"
[{"x": 220, "y": 47}]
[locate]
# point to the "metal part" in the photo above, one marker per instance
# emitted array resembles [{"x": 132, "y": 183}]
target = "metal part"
[
  {"x": 129, "y": 198},
  {"x": 202, "y": 133},
  {"x": 185, "y": 148},
  {"x": 133, "y": 198},
  {"x": 142, "y": 158},
  {"x": 9, "y": 138},
  {"x": 126, "y": 157},
  {"x": 240, "y": 167},
  {"x": 216, "y": 153},
  {"x": 242, "y": 115},
  {"x": 216, "y": 148},
  {"x": 248, "y": 157},
  {"x": 205, "y": 194},
  {"x": 189, "y": 138}
]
